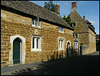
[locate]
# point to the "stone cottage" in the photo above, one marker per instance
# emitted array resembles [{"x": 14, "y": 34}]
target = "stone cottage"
[
  {"x": 30, "y": 33},
  {"x": 84, "y": 32}
]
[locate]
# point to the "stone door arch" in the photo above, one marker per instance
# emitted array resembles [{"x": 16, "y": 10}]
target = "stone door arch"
[
  {"x": 68, "y": 50},
  {"x": 22, "y": 49}
]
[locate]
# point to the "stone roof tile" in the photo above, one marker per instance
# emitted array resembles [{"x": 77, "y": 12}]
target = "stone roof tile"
[{"x": 36, "y": 10}]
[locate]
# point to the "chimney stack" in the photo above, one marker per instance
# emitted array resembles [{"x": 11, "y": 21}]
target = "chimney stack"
[
  {"x": 83, "y": 17},
  {"x": 57, "y": 9},
  {"x": 74, "y": 6}
]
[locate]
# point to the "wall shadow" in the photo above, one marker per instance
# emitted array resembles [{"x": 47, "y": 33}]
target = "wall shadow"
[{"x": 76, "y": 65}]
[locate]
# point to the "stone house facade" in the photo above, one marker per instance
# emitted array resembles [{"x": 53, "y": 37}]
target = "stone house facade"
[
  {"x": 30, "y": 33},
  {"x": 84, "y": 32}
]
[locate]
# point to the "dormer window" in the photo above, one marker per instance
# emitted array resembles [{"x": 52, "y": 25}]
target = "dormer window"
[
  {"x": 35, "y": 22},
  {"x": 61, "y": 29}
]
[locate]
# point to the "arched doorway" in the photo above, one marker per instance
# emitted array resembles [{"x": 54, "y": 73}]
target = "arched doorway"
[
  {"x": 16, "y": 51},
  {"x": 68, "y": 51},
  {"x": 18, "y": 44}
]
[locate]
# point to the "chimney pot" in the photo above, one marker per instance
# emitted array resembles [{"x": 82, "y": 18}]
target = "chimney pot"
[
  {"x": 57, "y": 3},
  {"x": 83, "y": 17}
]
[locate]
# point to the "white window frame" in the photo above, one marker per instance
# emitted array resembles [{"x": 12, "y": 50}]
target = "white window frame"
[
  {"x": 61, "y": 43},
  {"x": 35, "y": 49},
  {"x": 38, "y": 22},
  {"x": 75, "y": 45},
  {"x": 60, "y": 29}
]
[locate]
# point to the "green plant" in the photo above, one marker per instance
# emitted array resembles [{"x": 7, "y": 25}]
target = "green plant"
[
  {"x": 68, "y": 20},
  {"x": 49, "y": 6}
]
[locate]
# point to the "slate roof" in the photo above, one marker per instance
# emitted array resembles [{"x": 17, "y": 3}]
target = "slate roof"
[
  {"x": 35, "y": 10},
  {"x": 76, "y": 17},
  {"x": 90, "y": 25}
]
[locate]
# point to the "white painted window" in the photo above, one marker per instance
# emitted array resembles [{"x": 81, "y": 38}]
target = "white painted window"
[
  {"x": 35, "y": 22},
  {"x": 75, "y": 45},
  {"x": 61, "y": 29},
  {"x": 61, "y": 44},
  {"x": 36, "y": 43}
]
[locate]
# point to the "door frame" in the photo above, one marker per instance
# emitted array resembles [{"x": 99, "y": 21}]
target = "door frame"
[
  {"x": 66, "y": 46},
  {"x": 22, "y": 49},
  {"x": 17, "y": 50}
]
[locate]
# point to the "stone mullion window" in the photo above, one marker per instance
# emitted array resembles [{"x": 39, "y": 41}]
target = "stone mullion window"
[
  {"x": 61, "y": 44},
  {"x": 36, "y": 43},
  {"x": 61, "y": 29},
  {"x": 75, "y": 45}
]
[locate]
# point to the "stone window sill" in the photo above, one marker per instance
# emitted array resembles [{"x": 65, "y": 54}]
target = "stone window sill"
[{"x": 36, "y": 50}]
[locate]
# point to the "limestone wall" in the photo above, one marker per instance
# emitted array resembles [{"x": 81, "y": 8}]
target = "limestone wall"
[
  {"x": 92, "y": 41},
  {"x": 14, "y": 24}
]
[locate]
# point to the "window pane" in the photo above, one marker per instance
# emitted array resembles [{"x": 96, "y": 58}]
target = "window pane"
[
  {"x": 75, "y": 45},
  {"x": 62, "y": 29},
  {"x": 33, "y": 42},
  {"x": 33, "y": 21},
  {"x": 38, "y": 22},
  {"x": 37, "y": 40},
  {"x": 59, "y": 43}
]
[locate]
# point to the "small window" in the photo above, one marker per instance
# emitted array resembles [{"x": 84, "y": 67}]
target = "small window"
[
  {"x": 61, "y": 29},
  {"x": 35, "y": 22},
  {"x": 75, "y": 45},
  {"x": 36, "y": 43},
  {"x": 75, "y": 35},
  {"x": 73, "y": 24}
]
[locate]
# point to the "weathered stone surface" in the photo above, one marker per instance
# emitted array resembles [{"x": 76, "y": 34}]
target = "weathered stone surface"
[
  {"x": 83, "y": 32},
  {"x": 14, "y": 24}
]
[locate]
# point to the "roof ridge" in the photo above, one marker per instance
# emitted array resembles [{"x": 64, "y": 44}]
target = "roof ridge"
[
  {"x": 44, "y": 8},
  {"x": 29, "y": 7}
]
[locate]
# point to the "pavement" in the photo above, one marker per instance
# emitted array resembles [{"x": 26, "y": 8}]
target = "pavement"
[
  {"x": 79, "y": 65},
  {"x": 11, "y": 69},
  {"x": 94, "y": 53}
]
